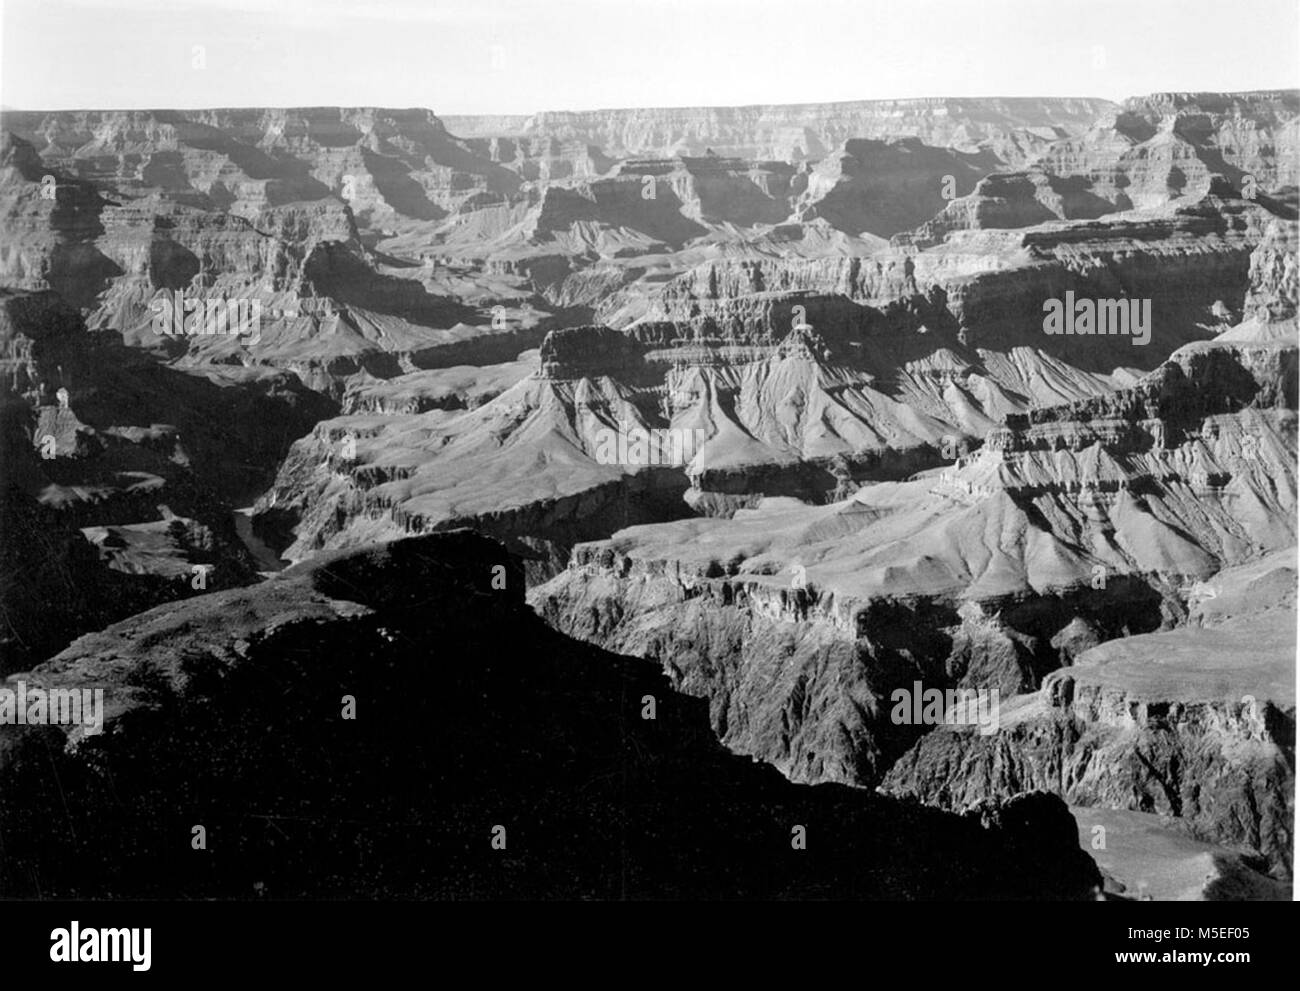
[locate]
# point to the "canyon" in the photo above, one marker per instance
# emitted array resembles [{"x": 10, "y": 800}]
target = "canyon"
[{"x": 898, "y": 476}]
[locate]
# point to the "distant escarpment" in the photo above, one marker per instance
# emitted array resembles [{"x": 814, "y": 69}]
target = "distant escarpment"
[
  {"x": 530, "y": 765},
  {"x": 377, "y": 243},
  {"x": 1014, "y": 128},
  {"x": 122, "y": 212},
  {"x": 1153, "y": 151},
  {"x": 239, "y": 158}
]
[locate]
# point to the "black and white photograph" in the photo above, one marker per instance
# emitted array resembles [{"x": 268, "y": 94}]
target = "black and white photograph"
[{"x": 658, "y": 451}]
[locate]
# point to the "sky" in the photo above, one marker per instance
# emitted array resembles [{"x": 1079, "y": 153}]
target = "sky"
[{"x": 521, "y": 56}]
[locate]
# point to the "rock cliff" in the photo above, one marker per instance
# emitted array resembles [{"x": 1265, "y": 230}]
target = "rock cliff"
[
  {"x": 120, "y": 474},
  {"x": 1013, "y": 128},
  {"x": 1072, "y": 527},
  {"x": 522, "y": 766},
  {"x": 1180, "y": 723}
]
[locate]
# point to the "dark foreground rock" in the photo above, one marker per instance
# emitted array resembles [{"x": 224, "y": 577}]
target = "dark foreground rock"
[{"x": 225, "y": 711}]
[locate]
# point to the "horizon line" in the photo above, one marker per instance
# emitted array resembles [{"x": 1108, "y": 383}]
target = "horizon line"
[{"x": 622, "y": 109}]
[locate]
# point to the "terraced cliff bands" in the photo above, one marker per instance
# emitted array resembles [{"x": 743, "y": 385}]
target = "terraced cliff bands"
[
  {"x": 798, "y": 378},
  {"x": 1074, "y": 527},
  {"x": 797, "y": 131}
]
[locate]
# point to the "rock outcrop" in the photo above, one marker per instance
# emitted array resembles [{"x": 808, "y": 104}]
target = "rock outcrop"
[
  {"x": 521, "y": 765},
  {"x": 1072, "y": 526},
  {"x": 1181, "y": 723},
  {"x": 883, "y": 187}
]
